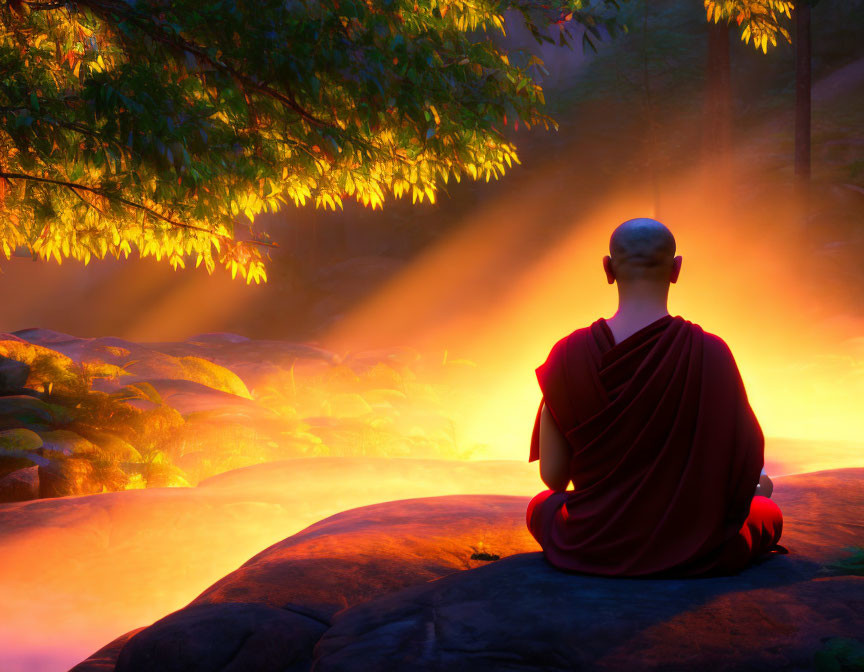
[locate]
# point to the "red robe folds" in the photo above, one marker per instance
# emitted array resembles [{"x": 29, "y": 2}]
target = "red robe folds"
[{"x": 666, "y": 450}]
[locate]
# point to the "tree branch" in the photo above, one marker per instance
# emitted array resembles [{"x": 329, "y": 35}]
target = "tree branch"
[{"x": 125, "y": 201}]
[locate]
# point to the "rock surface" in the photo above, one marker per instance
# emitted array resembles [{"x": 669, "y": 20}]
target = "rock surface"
[
  {"x": 387, "y": 580},
  {"x": 227, "y": 637}
]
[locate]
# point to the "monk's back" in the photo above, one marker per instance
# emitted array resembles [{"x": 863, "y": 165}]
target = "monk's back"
[{"x": 665, "y": 448}]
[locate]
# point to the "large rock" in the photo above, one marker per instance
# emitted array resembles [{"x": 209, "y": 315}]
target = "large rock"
[
  {"x": 20, "y": 486},
  {"x": 387, "y": 579},
  {"x": 521, "y": 614}
]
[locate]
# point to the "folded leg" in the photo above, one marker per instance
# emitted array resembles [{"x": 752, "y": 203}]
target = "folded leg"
[
  {"x": 759, "y": 533},
  {"x": 541, "y": 510}
]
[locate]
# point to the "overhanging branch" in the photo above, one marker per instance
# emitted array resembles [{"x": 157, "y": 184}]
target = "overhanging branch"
[{"x": 150, "y": 212}]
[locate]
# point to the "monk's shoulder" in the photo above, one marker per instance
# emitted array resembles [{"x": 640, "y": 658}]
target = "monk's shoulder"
[
  {"x": 714, "y": 347},
  {"x": 574, "y": 339}
]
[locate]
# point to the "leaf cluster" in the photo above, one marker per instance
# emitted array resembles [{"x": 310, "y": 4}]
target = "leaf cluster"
[
  {"x": 157, "y": 126},
  {"x": 760, "y": 20}
]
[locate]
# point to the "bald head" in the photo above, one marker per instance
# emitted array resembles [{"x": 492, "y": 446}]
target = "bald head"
[{"x": 642, "y": 250}]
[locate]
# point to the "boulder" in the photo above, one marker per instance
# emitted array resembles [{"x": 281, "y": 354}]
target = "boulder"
[
  {"x": 388, "y": 580},
  {"x": 13, "y": 375},
  {"x": 10, "y": 463},
  {"x": 20, "y": 486},
  {"x": 18, "y": 410},
  {"x": 19, "y": 439}
]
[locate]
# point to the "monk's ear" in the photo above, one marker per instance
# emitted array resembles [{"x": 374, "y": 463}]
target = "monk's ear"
[
  {"x": 607, "y": 266},
  {"x": 676, "y": 269}
]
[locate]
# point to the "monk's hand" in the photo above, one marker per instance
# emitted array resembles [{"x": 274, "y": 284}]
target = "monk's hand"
[{"x": 765, "y": 486}]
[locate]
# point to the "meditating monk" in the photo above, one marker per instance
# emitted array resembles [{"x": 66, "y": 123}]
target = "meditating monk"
[{"x": 647, "y": 415}]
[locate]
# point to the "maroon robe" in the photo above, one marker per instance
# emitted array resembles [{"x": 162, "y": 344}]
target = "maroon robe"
[{"x": 666, "y": 449}]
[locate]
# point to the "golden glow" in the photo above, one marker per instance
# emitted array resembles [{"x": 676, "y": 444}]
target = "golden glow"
[{"x": 495, "y": 295}]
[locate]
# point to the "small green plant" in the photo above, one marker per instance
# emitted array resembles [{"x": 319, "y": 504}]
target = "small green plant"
[
  {"x": 852, "y": 565},
  {"x": 840, "y": 654}
]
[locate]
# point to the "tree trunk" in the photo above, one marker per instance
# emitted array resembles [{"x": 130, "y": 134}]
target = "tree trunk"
[
  {"x": 654, "y": 162},
  {"x": 802, "y": 90},
  {"x": 717, "y": 122}
]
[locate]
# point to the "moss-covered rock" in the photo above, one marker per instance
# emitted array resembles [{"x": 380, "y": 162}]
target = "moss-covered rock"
[
  {"x": 64, "y": 442},
  {"x": 19, "y": 438},
  {"x": 22, "y": 410}
]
